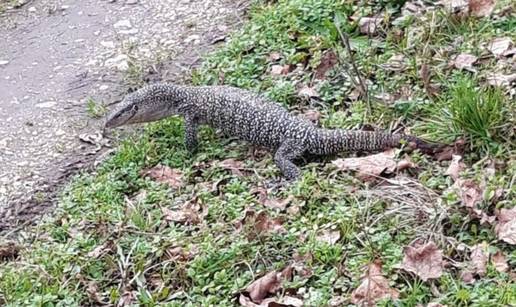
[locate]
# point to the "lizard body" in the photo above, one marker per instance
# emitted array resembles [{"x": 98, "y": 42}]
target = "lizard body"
[{"x": 250, "y": 117}]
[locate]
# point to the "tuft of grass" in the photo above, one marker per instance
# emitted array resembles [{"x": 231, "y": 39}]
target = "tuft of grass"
[
  {"x": 95, "y": 109},
  {"x": 482, "y": 115}
]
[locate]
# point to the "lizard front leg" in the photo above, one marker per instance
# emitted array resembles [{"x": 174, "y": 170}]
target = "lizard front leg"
[
  {"x": 191, "y": 129},
  {"x": 289, "y": 150}
]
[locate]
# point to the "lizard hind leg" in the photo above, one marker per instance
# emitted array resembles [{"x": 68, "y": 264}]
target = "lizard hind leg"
[
  {"x": 191, "y": 129},
  {"x": 288, "y": 151}
]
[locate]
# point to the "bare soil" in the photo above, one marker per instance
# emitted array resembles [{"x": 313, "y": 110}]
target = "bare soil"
[{"x": 57, "y": 55}]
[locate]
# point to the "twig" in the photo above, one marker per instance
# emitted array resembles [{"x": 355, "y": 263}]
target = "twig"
[{"x": 363, "y": 88}]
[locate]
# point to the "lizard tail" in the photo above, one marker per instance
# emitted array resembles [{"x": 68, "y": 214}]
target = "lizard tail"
[{"x": 328, "y": 142}]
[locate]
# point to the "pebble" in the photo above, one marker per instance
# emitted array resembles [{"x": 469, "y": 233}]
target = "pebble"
[
  {"x": 32, "y": 9},
  {"x": 3, "y": 62},
  {"x": 46, "y": 104},
  {"x": 124, "y": 23}
]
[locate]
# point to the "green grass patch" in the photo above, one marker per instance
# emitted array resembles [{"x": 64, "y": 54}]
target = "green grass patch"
[{"x": 112, "y": 238}]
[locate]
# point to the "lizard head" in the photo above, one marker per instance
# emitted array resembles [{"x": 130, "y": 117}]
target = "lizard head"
[{"x": 150, "y": 103}]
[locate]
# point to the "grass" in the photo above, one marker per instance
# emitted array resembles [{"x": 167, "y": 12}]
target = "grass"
[{"x": 109, "y": 240}]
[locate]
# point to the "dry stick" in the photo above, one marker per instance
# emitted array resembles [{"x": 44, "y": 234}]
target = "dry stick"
[{"x": 363, "y": 87}]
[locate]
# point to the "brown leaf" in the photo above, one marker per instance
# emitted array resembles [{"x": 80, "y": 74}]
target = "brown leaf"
[
  {"x": 329, "y": 236},
  {"x": 280, "y": 204},
  {"x": 104, "y": 248},
  {"x": 129, "y": 297},
  {"x": 469, "y": 192},
  {"x": 499, "y": 46},
  {"x": 479, "y": 257},
  {"x": 456, "y": 6},
  {"x": 395, "y": 63},
  {"x": 285, "y": 301},
  {"x": 481, "y": 8},
  {"x": 278, "y": 70},
  {"x": 312, "y": 115},
  {"x": 500, "y": 262},
  {"x": 233, "y": 165},
  {"x": 308, "y": 92},
  {"x": 370, "y": 25},
  {"x": 500, "y": 80},
  {"x": 506, "y": 227},
  {"x": 92, "y": 290},
  {"x": 263, "y": 223},
  {"x": 328, "y": 60},
  {"x": 456, "y": 166},
  {"x": 9, "y": 250},
  {"x": 467, "y": 277},
  {"x": 274, "y": 56},
  {"x": 178, "y": 253},
  {"x": 447, "y": 152},
  {"x": 268, "y": 284},
  {"x": 187, "y": 214},
  {"x": 424, "y": 260},
  {"x": 374, "y": 287},
  {"x": 426, "y": 76},
  {"x": 372, "y": 166},
  {"x": 165, "y": 174},
  {"x": 465, "y": 61}
]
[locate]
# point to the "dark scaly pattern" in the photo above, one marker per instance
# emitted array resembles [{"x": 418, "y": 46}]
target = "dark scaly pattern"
[{"x": 250, "y": 117}]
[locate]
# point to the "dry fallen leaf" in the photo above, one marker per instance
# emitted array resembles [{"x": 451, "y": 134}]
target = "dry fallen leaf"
[
  {"x": 424, "y": 260},
  {"x": 469, "y": 192},
  {"x": 395, "y": 63},
  {"x": 479, "y": 257},
  {"x": 499, "y": 46},
  {"x": 500, "y": 262},
  {"x": 481, "y": 8},
  {"x": 370, "y": 25},
  {"x": 465, "y": 61},
  {"x": 328, "y": 236},
  {"x": 165, "y": 174},
  {"x": 501, "y": 80},
  {"x": 372, "y": 166},
  {"x": 106, "y": 247},
  {"x": 328, "y": 61},
  {"x": 274, "y": 56},
  {"x": 262, "y": 223},
  {"x": 285, "y": 301},
  {"x": 312, "y": 115},
  {"x": 506, "y": 227},
  {"x": 456, "y": 166},
  {"x": 9, "y": 250},
  {"x": 177, "y": 253},
  {"x": 280, "y": 204},
  {"x": 268, "y": 284},
  {"x": 455, "y": 6},
  {"x": 373, "y": 288},
  {"x": 278, "y": 70},
  {"x": 93, "y": 292},
  {"x": 233, "y": 165},
  {"x": 187, "y": 214},
  {"x": 308, "y": 92}
]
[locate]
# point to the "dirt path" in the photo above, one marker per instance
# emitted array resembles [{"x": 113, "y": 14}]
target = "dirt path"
[{"x": 55, "y": 56}]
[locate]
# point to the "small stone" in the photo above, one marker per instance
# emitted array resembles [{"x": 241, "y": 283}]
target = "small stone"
[
  {"x": 119, "y": 62},
  {"x": 128, "y": 32},
  {"x": 107, "y": 44},
  {"x": 3, "y": 62},
  {"x": 124, "y": 23},
  {"x": 32, "y": 9},
  {"x": 103, "y": 87},
  {"x": 131, "y": 2},
  {"x": 192, "y": 38},
  {"x": 64, "y": 7},
  {"x": 46, "y": 104}
]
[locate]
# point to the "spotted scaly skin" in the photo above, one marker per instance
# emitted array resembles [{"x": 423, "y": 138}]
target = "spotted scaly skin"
[{"x": 249, "y": 117}]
